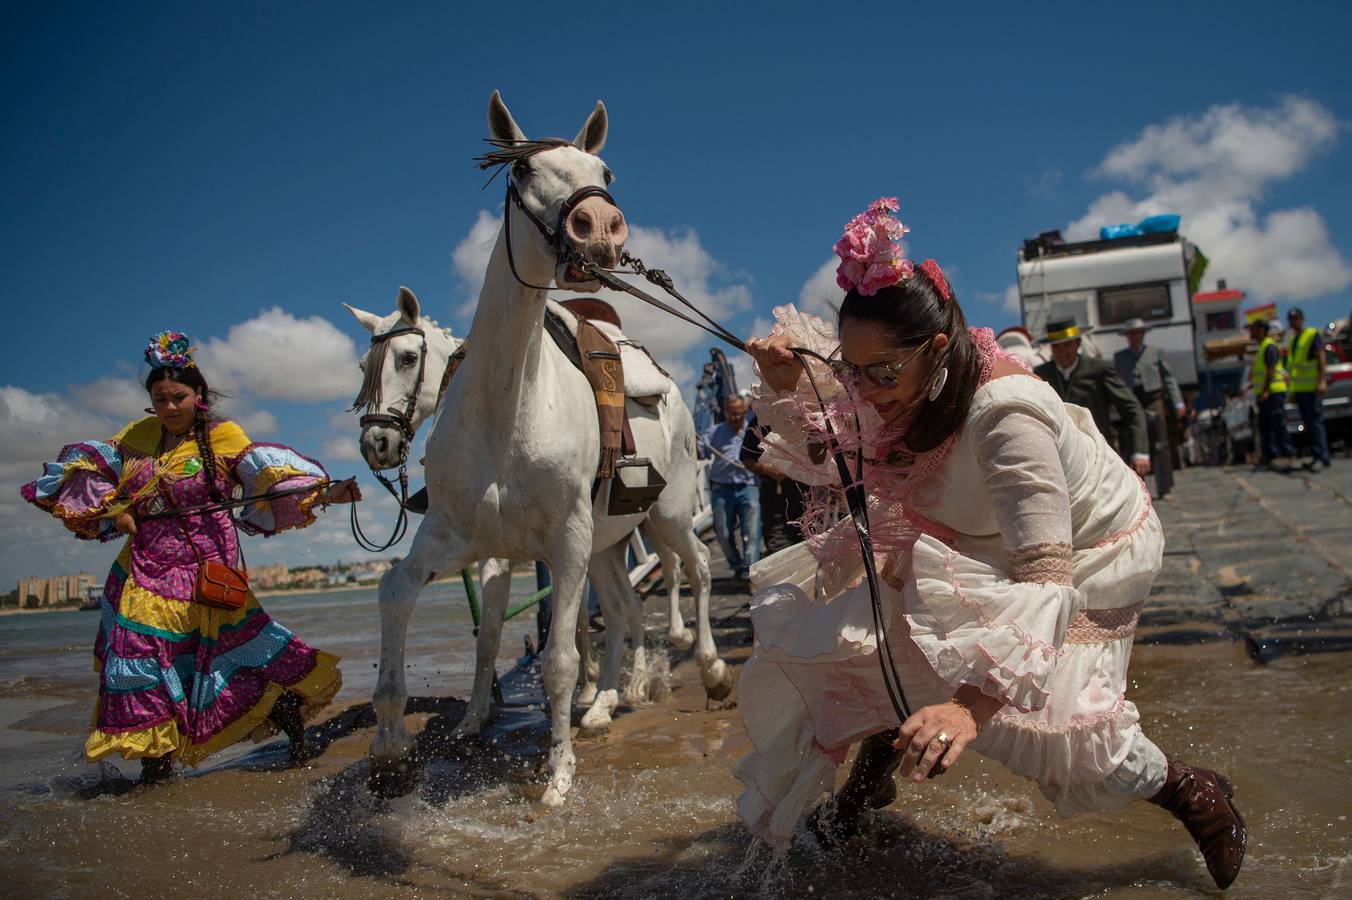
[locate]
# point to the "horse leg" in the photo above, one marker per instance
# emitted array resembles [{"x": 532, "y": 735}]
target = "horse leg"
[
  {"x": 589, "y": 668},
  {"x": 495, "y": 579},
  {"x": 394, "y": 767},
  {"x": 610, "y": 593},
  {"x": 679, "y": 636},
  {"x": 673, "y": 528},
  {"x": 567, "y": 560}
]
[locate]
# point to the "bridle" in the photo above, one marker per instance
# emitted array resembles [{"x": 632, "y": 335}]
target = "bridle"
[
  {"x": 371, "y": 398},
  {"x": 563, "y": 252},
  {"x": 510, "y": 153}
]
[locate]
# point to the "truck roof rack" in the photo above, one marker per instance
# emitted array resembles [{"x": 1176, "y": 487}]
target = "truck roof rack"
[{"x": 1050, "y": 243}]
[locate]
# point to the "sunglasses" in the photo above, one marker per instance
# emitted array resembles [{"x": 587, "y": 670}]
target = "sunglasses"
[{"x": 882, "y": 375}]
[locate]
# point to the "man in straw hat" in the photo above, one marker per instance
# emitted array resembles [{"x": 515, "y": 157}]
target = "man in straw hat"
[
  {"x": 1095, "y": 385},
  {"x": 1145, "y": 370}
]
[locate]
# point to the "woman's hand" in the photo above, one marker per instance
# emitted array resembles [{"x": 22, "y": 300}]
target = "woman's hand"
[
  {"x": 959, "y": 720},
  {"x": 778, "y": 367},
  {"x": 125, "y": 523},
  {"x": 343, "y": 492}
]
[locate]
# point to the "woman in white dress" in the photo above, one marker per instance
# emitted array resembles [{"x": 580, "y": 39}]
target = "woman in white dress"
[{"x": 1015, "y": 550}]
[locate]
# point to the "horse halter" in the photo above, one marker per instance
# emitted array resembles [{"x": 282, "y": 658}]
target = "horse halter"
[
  {"x": 371, "y": 388},
  {"x": 554, "y": 236}
]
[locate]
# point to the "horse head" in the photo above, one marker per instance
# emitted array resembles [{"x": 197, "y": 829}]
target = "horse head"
[
  {"x": 402, "y": 378},
  {"x": 559, "y": 187}
]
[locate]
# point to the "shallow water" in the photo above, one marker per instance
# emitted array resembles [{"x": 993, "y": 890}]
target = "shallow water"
[{"x": 652, "y": 811}]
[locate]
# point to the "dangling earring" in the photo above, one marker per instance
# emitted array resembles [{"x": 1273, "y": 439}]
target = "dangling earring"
[{"x": 939, "y": 381}]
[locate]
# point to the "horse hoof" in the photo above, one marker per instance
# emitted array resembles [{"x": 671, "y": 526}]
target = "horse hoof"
[
  {"x": 683, "y": 641},
  {"x": 552, "y": 797},
  {"x": 393, "y": 778},
  {"x": 722, "y": 689}
]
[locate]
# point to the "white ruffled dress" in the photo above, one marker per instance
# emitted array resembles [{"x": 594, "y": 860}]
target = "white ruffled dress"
[{"x": 1034, "y": 599}]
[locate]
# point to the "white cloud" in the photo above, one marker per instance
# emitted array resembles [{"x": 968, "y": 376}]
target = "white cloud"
[
  {"x": 1214, "y": 170},
  {"x": 820, "y": 293},
  {"x": 277, "y": 356},
  {"x": 470, "y": 257},
  {"x": 1010, "y": 302},
  {"x": 345, "y": 447}
]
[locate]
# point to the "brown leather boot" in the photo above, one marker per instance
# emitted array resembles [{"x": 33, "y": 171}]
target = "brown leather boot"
[
  {"x": 870, "y": 786},
  {"x": 1200, "y": 799}
]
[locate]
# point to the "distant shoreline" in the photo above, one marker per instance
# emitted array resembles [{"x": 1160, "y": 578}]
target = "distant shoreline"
[
  {"x": 23, "y": 611},
  {"x": 268, "y": 592}
]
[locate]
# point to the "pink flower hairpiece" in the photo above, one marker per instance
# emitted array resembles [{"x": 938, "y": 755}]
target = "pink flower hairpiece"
[
  {"x": 169, "y": 349},
  {"x": 871, "y": 257}
]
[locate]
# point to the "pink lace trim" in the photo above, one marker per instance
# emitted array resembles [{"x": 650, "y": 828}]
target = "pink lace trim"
[
  {"x": 1135, "y": 526},
  {"x": 1075, "y": 723},
  {"x": 1045, "y": 563},
  {"x": 1047, "y": 650},
  {"x": 1095, "y": 626}
]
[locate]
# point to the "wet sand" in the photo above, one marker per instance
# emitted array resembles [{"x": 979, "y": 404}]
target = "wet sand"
[{"x": 652, "y": 812}]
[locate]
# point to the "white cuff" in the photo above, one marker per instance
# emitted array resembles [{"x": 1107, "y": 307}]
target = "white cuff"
[{"x": 1140, "y": 457}]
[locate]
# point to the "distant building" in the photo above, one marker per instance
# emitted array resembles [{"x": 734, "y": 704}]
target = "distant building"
[
  {"x": 1219, "y": 323},
  {"x": 62, "y": 590},
  {"x": 266, "y": 577}
]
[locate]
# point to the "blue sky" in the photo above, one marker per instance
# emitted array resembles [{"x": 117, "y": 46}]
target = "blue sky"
[{"x": 237, "y": 171}]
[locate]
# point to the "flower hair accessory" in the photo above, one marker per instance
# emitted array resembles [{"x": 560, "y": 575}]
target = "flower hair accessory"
[
  {"x": 870, "y": 255},
  {"x": 169, "y": 349},
  {"x": 936, "y": 277}
]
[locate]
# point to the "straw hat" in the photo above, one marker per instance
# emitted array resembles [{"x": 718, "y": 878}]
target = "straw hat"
[{"x": 1061, "y": 330}]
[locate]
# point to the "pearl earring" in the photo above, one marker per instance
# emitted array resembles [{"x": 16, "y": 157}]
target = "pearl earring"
[{"x": 939, "y": 381}]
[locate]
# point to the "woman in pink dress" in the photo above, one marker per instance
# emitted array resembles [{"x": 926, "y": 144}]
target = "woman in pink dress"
[
  {"x": 1015, "y": 550},
  {"x": 180, "y": 679}
]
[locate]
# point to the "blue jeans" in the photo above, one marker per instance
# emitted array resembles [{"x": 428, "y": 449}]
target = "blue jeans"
[
  {"x": 1311, "y": 407},
  {"x": 1276, "y": 442},
  {"x": 737, "y": 508}
]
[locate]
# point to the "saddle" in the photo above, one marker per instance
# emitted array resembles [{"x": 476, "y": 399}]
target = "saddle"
[{"x": 587, "y": 330}]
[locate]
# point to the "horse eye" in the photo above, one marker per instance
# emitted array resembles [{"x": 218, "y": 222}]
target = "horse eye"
[
  {"x": 609, "y": 176},
  {"x": 408, "y": 359},
  {"x": 520, "y": 169}
]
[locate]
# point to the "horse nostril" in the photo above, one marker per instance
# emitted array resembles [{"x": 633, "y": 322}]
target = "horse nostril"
[
  {"x": 382, "y": 444},
  {"x": 619, "y": 228},
  {"x": 583, "y": 222}
]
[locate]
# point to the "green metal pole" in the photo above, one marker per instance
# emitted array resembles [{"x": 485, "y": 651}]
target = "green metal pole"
[
  {"x": 472, "y": 595},
  {"x": 526, "y": 603}
]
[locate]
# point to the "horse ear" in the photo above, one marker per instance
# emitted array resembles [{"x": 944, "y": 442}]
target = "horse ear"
[
  {"x": 369, "y": 321},
  {"x": 501, "y": 125},
  {"x": 592, "y": 137},
  {"x": 408, "y": 305}
]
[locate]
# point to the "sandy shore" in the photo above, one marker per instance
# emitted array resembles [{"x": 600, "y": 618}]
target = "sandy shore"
[{"x": 10, "y": 611}]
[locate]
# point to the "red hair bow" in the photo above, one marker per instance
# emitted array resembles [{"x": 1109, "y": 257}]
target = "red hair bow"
[{"x": 936, "y": 277}]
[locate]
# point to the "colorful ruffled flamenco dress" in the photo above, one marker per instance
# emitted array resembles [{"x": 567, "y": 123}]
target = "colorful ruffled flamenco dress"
[{"x": 176, "y": 676}]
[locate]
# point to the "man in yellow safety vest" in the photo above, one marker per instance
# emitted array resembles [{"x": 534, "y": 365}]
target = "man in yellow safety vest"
[
  {"x": 1267, "y": 378},
  {"x": 1308, "y": 362}
]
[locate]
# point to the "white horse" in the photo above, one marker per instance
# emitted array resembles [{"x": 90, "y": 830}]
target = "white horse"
[
  {"x": 412, "y": 354},
  {"x": 511, "y": 461}
]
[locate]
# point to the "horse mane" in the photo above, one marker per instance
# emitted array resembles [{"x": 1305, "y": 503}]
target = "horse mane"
[{"x": 509, "y": 152}]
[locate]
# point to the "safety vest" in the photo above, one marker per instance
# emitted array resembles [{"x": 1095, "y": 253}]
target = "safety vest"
[
  {"x": 1304, "y": 367},
  {"x": 1258, "y": 374}
]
